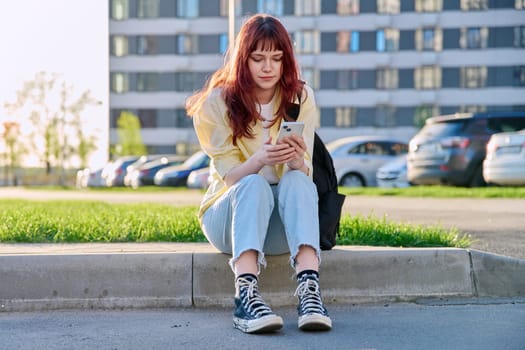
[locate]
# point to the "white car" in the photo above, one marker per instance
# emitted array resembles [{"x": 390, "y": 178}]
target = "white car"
[
  {"x": 90, "y": 178},
  {"x": 393, "y": 173},
  {"x": 357, "y": 158},
  {"x": 504, "y": 162},
  {"x": 199, "y": 178}
]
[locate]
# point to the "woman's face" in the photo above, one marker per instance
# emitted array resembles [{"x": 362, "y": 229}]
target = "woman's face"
[{"x": 266, "y": 70}]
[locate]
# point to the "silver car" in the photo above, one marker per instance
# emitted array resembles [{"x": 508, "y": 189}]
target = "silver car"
[
  {"x": 357, "y": 158},
  {"x": 504, "y": 163},
  {"x": 393, "y": 174}
]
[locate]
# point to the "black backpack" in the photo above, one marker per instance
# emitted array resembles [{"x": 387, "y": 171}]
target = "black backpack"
[{"x": 330, "y": 201}]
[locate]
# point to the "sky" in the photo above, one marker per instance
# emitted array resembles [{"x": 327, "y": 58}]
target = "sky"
[{"x": 68, "y": 37}]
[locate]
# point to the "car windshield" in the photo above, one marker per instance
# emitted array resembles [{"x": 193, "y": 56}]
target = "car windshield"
[
  {"x": 334, "y": 145},
  {"x": 449, "y": 128}
]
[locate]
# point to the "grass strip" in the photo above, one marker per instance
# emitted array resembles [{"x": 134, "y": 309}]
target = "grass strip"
[
  {"x": 25, "y": 221},
  {"x": 93, "y": 221},
  {"x": 358, "y": 230},
  {"x": 438, "y": 192}
]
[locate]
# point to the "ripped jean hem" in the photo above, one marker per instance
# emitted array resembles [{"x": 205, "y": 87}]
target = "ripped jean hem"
[
  {"x": 261, "y": 260},
  {"x": 293, "y": 257}
]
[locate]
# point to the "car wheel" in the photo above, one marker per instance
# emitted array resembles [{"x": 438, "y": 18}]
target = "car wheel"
[{"x": 352, "y": 180}]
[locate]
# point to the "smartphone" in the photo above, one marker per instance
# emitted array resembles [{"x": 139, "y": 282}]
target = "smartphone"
[{"x": 290, "y": 128}]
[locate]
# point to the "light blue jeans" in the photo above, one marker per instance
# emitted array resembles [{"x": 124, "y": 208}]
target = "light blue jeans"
[{"x": 269, "y": 219}]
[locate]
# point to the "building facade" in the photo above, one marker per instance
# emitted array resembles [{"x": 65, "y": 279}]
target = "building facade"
[{"x": 377, "y": 66}]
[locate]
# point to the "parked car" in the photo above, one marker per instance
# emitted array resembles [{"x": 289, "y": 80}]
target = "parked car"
[
  {"x": 393, "y": 173},
  {"x": 450, "y": 149},
  {"x": 504, "y": 163},
  {"x": 140, "y": 162},
  {"x": 145, "y": 174},
  {"x": 90, "y": 178},
  {"x": 114, "y": 172},
  {"x": 357, "y": 158},
  {"x": 199, "y": 178},
  {"x": 177, "y": 175}
]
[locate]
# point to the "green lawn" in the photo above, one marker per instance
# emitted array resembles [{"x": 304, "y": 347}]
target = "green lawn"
[
  {"x": 95, "y": 221},
  {"x": 439, "y": 192}
]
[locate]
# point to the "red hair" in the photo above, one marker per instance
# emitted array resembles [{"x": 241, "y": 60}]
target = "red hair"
[{"x": 263, "y": 32}]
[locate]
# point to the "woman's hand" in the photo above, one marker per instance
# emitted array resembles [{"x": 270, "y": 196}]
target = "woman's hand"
[
  {"x": 280, "y": 153},
  {"x": 299, "y": 148},
  {"x": 289, "y": 151}
]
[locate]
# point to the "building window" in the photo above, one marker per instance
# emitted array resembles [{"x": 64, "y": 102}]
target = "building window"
[
  {"x": 472, "y": 109},
  {"x": 187, "y": 44},
  {"x": 385, "y": 116},
  {"x": 311, "y": 76},
  {"x": 429, "y": 39},
  {"x": 187, "y": 8},
  {"x": 474, "y": 38},
  {"x": 519, "y": 4},
  {"x": 347, "y": 79},
  {"x": 223, "y": 43},
  {"x": 147, "y": 81},
  {"x": 387, "y": 78},
  {"x": 347, "y": 7},
  {"x": 224, "y": 6},
  {"x": 423, "y": 112},
  {"x": 189, "y": 81},
  {"x": 519, "y": 76},
  {"x": 272, "y": 7},
  {"x": 467, "y": 5},
  {"x": 388, "y": 7},
  {"x": 119, "y": 82},
  {"x": 182, "y": 120},
  {"x": 387, "y": 40},
  {"x": 148, "y": 8},
  {"x": 307, "y": 41},
  {"x": 307, "y": 7},
  {"x": 345, "y": 117},
  {"x": 147, "y": 45},
  {"x": 119, "y": 9},
  {"x": 119, "y": 45},
  {"x": 428, "y": 77},
  {"x": 429, "y": 5},
  {"x": 147, "y": 117},
  {"x": 347, "y": 41},
  {"x": 519, "y": 36},
  {"x": 473, "y": 77}
]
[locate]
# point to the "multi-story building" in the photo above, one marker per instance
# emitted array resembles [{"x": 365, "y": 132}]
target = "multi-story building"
[{"x": 377, "y": 66}]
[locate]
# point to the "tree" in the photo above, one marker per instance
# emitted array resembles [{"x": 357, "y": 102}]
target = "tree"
[
  {"x": 130, "y": 139},
  {"x": 14, "y": 149},
  {"x": 55, "y": 112}
]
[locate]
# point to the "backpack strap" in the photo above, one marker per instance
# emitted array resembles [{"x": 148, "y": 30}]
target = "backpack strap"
[{"x": 295, "y": 108}]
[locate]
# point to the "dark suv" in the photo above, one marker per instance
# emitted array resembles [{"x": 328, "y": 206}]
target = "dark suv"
[{"x": 450, "y": 149}]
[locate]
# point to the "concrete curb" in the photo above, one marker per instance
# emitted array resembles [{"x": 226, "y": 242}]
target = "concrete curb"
[{"x": 46, "y": 277}]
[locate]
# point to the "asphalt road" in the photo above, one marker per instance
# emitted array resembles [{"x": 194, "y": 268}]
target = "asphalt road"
[
  {"x": 492, "y": 325},
  {"x": 496, "y": 225}
]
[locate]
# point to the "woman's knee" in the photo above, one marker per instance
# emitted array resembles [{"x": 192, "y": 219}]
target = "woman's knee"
[
  {"x": 255, "y": 185},
  {"x": 297, "y": 179}
]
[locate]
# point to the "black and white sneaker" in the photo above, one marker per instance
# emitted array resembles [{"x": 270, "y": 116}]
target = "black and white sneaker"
[
  {"x": 252, "y": 314},
  {"x": 313, "y": 316}
]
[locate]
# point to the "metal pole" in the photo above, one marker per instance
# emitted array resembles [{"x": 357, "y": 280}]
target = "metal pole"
[{"x": 231, "y": 26}]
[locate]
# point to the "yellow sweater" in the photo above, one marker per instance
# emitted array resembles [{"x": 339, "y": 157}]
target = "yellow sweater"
[{"x": 215, "y": 138}]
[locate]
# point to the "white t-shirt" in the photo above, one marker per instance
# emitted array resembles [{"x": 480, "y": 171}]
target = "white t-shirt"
[{"x": 268, "y": 171}]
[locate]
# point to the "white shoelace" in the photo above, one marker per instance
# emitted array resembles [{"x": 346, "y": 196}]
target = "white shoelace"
[
  {"x": 252, "y": 300},
  {"x": 310, "y": 297}
]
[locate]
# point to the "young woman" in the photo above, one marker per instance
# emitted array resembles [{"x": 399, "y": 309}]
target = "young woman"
[{"x": 262, "y": 199}]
